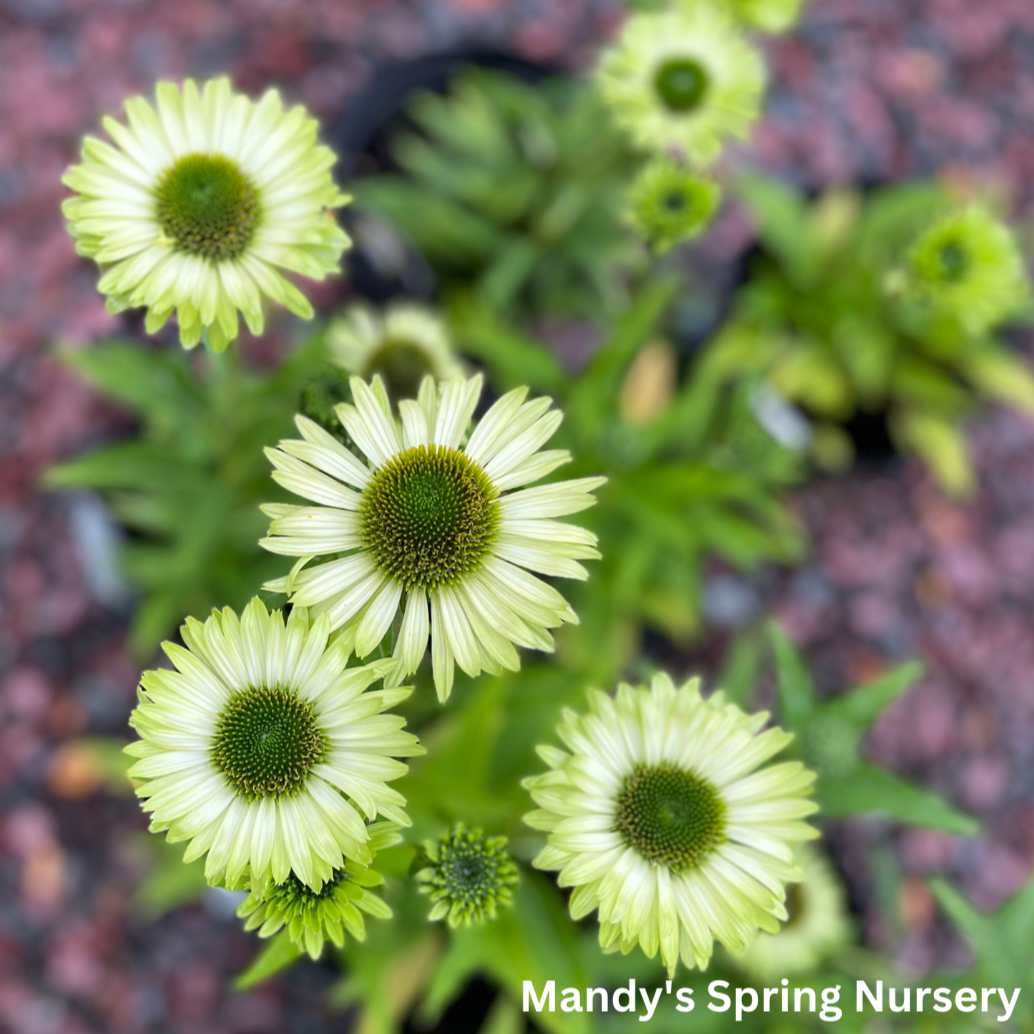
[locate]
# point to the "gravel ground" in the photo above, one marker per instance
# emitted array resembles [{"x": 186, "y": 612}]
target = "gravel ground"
[{"x": 869, "y": 89}]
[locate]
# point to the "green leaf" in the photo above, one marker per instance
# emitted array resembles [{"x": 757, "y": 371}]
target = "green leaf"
[
  {"x": 873, "y": 791},
  {"x": 277, "y": 955},
  {"x": 866, "y": 703},
  {"x": 1003, "y": 941},
  {"x": 942, "y": 445},
  {"x": 153, "y": 382},
  {"x": 513, "y": 359},
  {"x": 797, "y": 695},
  {"x": 443, "y": 230},
  {"x": 781, "y": 214},
  {"x": 1001, "y": 375}
]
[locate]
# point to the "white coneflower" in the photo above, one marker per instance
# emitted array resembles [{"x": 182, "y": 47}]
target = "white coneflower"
[
  {"x": 683, "y": 80},
  {"x": 262, "y": 749},
  {"x": 433, "y": 525},
  {"x": 404, "y": 344},
  {"x": 656, "y": 817},
  {"x": 200, "y": 201}
]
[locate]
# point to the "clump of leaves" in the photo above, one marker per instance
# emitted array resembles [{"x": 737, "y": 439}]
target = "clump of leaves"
[
  {"x": 515, "y": 191},
  {"x": 187, "y": 485},
  {"x": 691, "y": 471},
  {"x": 826, "y": 317}
]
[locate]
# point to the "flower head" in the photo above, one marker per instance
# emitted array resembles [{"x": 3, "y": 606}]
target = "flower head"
[
  {"x": 668, "y": 204},
  {"x": 402, "y": 346},
  {"x": 656, "y": 817},
  {"x": 315, "y": 916},
  {"x": 467, "y": 875},
  {"x": 262, "y": 749},
  {"x": 683, "y": 80},
  {"x": 817, "y": 925},
  {"x": 433, "y": 525},
  {"x": 199, "y": 203},
  {"x": 968, "y": 266}
]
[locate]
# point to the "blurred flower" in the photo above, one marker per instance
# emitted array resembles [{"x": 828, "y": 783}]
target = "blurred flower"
[
  {"x": 683, "y": 80},
  {"x": 768, "y": 15},
  {"x": 654, "y": 817},
  {"x": 816, "y": 929},
  {"x": 404, "y": 345},
  {"x": 968, "y": 266},
  {"x": 315, "y": 916},
  {"x": 468, "y": 876},
  {"x": 200, "y": 202},
  {"x": 249, "y": 747},
  {"x": 669, "y": 204},
  {"x": 429, "y": 519}
]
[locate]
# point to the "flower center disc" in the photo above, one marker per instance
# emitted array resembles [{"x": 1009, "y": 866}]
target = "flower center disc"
[
  {"x": 468, "y": 873},
  {"x": 953, "y": 261},
  {"x": 428, "y": 516},
  {"x": 681, "y": 83},
  {"x": 266, "y": 742},
  {"x": 207, "y": 206},
  {"x": 675, "y": 201},
  {"x": 671, "y": 817},
  {"x": 402, "y": 365}
]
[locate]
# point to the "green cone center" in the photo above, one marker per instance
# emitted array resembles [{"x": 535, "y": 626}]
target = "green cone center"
[
  {"x": 294, "y": 895},
  {"x": 681, "y": 84},
  {"x": 670, "y": 816},
  {"x": 953, "y": 261},
  {"x": 208, "y": 206},
  {"x": 428, "y": 517},
  {"x": 469, "y": 872},
  {"x": 266, "y": 742},
  {"x": 675, "y": 201},
  {"x": 402, "y": 364}
]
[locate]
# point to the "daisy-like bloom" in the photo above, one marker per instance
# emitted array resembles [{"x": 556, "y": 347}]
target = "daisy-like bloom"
[
  {"x": 468, "y": 876},
  {"x": 816, "y": 929},
  {"x": 969, "y": 266},
  {"x": 683, "y": 80},
  {"x": 669, "y": 204},
  {"x": 433, "y": 524},
  {"x": 199, "y": 202},
  {"x": 657, "y": 817},
  {"x": 313, "y": 917},
  {"x": 262, "y": 749},
  {"x": 403, "y": 345}
]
